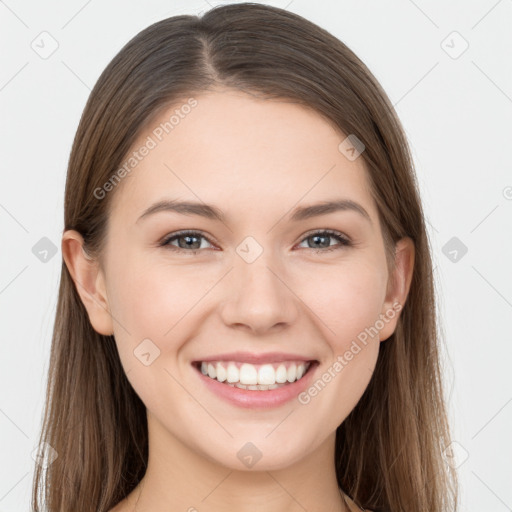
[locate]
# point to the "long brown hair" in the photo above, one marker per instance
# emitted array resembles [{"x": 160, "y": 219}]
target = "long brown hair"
[{"x": 389, "y": 449}]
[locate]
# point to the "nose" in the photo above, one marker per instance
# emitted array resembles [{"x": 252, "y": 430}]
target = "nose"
[{"x": 258, "y": 298}]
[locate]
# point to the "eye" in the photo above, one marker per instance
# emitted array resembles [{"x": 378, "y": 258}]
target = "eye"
[
  {"x": 191, "y": 241},
  {"x": 320, "y": 236}
]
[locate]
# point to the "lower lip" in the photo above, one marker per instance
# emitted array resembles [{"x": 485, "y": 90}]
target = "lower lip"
[{"x": 252, "y": 399}]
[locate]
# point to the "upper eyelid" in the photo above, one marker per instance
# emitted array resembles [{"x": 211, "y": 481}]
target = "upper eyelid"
[{"x": 177, "y": 234}]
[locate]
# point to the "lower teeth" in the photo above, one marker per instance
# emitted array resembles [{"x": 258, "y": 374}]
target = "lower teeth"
[{"x": 254, "y": 387}]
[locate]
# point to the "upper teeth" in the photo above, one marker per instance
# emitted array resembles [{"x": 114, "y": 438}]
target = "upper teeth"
[{"x": 249, "y": 374}]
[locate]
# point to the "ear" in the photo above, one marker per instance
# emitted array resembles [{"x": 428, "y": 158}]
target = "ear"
[
  {"x": 398, "y": 286},
  {"x": 89, "y": 281}
]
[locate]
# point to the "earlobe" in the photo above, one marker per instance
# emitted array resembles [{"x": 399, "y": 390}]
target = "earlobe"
[
  {"x": 398, "y": 285},
  {"x": 89, "y": 281}
]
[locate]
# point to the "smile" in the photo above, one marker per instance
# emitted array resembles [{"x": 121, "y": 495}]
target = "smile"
[
  {"x": 256, "y": 386},
  {"x": 255, "y": 377}
]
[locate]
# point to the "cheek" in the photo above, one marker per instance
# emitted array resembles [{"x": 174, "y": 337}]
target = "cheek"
[
  {"x": 346, "y": 299},
  {"x": 151, "y": 297},
  {"x": 347, "y": 303},
  {"x": 158, "y": 302}
]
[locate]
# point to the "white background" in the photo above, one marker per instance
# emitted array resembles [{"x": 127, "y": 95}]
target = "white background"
[{"x": 457, "y": 113}]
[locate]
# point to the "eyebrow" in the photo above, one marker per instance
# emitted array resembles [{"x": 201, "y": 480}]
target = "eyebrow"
[{"x": 214, "y": 213}]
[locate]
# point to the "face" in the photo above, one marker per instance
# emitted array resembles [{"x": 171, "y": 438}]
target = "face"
[{"x": 259, "y": 289}]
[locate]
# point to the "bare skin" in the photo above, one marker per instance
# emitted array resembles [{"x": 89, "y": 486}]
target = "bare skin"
[{"x": 256, "y": 160}]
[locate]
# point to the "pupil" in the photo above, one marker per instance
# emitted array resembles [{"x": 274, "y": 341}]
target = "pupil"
[
  {"x": 316, "y": 237},
  {"x": 188, "y": 240}
]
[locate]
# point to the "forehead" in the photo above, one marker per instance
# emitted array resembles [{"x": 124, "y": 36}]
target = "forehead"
[{"x": 238, "y": 151}]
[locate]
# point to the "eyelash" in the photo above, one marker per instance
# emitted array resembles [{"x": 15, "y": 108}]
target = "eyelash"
[{"x": 344, "y": 241}]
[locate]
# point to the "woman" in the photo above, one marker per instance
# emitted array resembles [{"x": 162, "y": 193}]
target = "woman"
[{"x": 246, "y": 315}]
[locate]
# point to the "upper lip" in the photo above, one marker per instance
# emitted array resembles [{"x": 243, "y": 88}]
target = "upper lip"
[{"x": 254, "y": 358}]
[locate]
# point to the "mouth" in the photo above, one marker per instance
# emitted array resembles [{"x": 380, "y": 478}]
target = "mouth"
[
  {"x": 256, "y": 385},
  {"x": 254, "y": 377}
]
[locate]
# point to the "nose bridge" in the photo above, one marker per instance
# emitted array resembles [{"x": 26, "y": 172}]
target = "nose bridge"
[
  {"x": 255, "y": 273},
  {"x": 257, "y": 276},
  {"x": 258, "y": 297}
]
